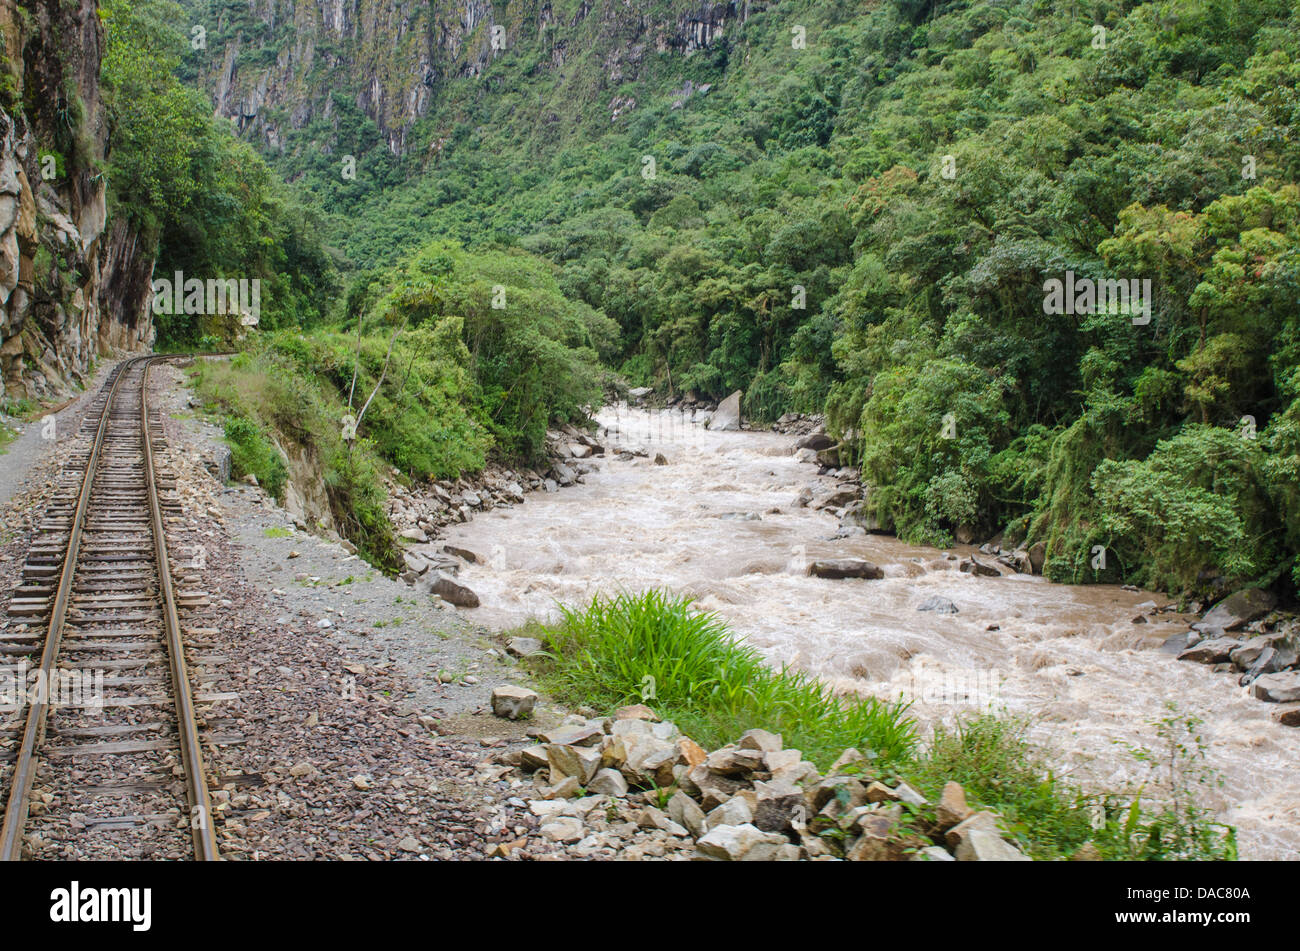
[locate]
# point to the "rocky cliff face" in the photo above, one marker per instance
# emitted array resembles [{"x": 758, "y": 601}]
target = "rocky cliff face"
[
  {"x": 69, "y": 288},
  {"x": 280, "y": 64}
]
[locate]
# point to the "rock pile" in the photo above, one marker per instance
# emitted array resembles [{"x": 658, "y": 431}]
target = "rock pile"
[
  {"x": 1241, "y": 634},
  {"x": 631, "y": 787}
]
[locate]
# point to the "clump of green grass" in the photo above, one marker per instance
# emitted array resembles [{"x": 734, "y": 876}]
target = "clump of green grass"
[
  {"x": 659, "y": 650},
  {"x": 276, "y": 532}
]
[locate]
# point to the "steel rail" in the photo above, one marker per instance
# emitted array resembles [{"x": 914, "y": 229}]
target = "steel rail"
[
  {"x": 27, "y": 760},
  {"x": 25, "y": 765},
  {"x": 205, "y": 841}
]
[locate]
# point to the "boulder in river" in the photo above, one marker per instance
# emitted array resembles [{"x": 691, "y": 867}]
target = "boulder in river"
[
  {"x": 972, "y": 567},
  {"x": 837, "y": 498},
  {"x": 829, "y": 457},
  {"x": 1278, "y": 688},
  {"x": 837, "y": 568},
  {"x": 462, "y": 553},
  {"x": 1216, "y": 650},
  {"x": 856, "y": 513},
  {"x": 938, "y": 605},
  {"x": 1247, "y": 653},
  {"x": 727, "y": 416},
  {"x": 1239, "y": 609},
  {"x": 1037, "y": 556},
  {"x": 815, "y": 441}
]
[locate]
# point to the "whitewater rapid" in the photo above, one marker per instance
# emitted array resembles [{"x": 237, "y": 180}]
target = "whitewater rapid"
[{"x": 718, "y": 522}]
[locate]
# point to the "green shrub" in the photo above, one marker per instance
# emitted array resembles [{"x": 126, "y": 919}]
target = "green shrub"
[{"x": 252, "y": 453}]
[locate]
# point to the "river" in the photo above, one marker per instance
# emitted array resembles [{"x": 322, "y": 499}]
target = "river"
[{"x": 718, "y": 522}]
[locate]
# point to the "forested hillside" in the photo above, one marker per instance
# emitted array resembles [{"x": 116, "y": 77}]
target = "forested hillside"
[{"x": 854, "y": 208}]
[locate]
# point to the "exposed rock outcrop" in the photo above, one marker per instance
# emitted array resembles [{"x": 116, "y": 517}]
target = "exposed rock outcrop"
[
  {"x": 69, "y": 289},
  {"x": 392, "y": 59}
]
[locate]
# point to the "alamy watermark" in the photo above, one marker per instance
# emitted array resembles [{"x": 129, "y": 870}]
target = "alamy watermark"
[
  {"x": 181, "y": 295},
  {"x": 1107, "y": 296},
  {"x": 968, "y": 687},
  {"x": 20, "y": 686}
]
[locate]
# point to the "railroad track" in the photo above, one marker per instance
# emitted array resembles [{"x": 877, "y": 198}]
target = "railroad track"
[{"x": 100, "y": 749}]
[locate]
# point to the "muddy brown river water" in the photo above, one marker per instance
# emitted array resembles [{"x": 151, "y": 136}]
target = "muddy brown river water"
[{"x": 1070, "y": 658}]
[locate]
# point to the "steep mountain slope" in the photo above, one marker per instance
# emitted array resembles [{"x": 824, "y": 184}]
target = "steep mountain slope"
[
  {"x": 278, "y": 66},
  {"x": 861, "y": 208}
]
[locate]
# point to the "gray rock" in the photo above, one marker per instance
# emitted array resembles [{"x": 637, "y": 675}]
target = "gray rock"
[
  {"x": 780, "y": 805},
  {"x": 760, "y": 740},
  {"x": 1239, "y": 609},
  {"x": 1249, "y": 652},
  {"x": 513, "y": 702},
  {"x": 649, "y": 759},
  {"x": 416, "y": 564},
  {"x": 1214, "y": 651},
  {"x": 952, "y": 809},
  {"x": 1037, "y": 556},
  {"x": 727, "y": 416},
  {"x": 533, "y": 758},
  {"x": 837, "y": 498},
  {"x": 1277, "y": 688},
  {"x": 1177, "y": 643},
  {"x": 982, "y": 846},
  {"x": 450, "y": 591},
  {"x": 219, "y": 464},
  {"x": 563, "y": 829},
  {"x": 686, "y": 812},
  {"x": 973, "y": 567},
  {"x": 980, "y": 821},
  {"x": 462, "y": 553},
  {"x": 857, "y": 515},
  {"x": 608, "y": 782},
  {"x": 838, "y": 568},
  {"x": 523, "y": 646},
  {"x": 938, "y": 605},
  {"x": 933, "y": 853},
  {"x": 731, "y": 843},
  {"x": 566, "y": 788},
  {"x": 734, "y": 812},
  {"x": 580, "y": 762},
  {"x": 815, "y": 441},
  {"x": 830, "y": 458},
  {"x": 414, "y": 534}
]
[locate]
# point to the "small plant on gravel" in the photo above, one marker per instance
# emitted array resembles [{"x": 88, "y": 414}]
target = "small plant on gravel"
[{"x": 277, "y": 532}]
